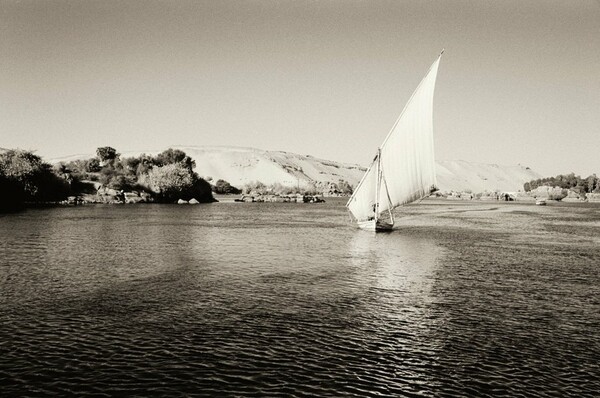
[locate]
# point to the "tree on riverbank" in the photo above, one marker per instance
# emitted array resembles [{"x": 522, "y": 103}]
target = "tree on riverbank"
[
  {"x": 107, "y": 153},
  {"x": 571, "y": 181},
  {"x": 176, "y": 181},
  {"x": 168, "y": 176},
  {"x": 25, "y": 177},
  {"x": 223, "y": 187},
  {"x": 342, "y": 187}
]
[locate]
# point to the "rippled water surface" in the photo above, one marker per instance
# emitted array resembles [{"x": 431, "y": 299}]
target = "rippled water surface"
[{"x": 463, "y": 299}]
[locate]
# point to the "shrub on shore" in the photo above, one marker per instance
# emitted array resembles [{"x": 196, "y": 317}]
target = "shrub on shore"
[
  {"x": 176, "y": 181},
  {"x": 342, "y": 187},
  {"x": 591, "y": 184},
  {"x": 223, "y": 187},
  {"x": 168, "y": 176},
  {"x": 25, "y": 177}
]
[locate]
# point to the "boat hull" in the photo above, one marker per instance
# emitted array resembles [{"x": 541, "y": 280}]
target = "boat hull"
[{"x": 375, "y": 226}]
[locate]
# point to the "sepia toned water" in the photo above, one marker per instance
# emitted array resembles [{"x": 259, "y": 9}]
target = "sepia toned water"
[{"x": 463, "y": 299}]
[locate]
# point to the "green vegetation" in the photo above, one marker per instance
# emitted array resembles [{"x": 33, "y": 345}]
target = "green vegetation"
[
  {"x": 167, "y": 177},
  {"x": 223, "y": 187},
  {"x": 106, "y": 154},
  {"x": 560, "y": 195},
  {"x": 342, "y": 187},
  {"x": 25, "y": 178},
  {"x": 177, "y": 181},
  {"x": 566, "y": 182}
]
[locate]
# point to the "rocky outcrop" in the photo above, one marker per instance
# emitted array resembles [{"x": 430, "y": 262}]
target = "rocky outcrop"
[
  {"x": 105, "y": 195},
  {"x": 133, "y": 197}
]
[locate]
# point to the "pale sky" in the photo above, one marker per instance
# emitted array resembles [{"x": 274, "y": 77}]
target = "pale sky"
[{"x": 519, "y": 81}]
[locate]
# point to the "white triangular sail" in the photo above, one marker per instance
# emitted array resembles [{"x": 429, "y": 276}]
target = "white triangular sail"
[
  {"x": 406, "y": 158},
  {"x": 362, "y": 202}
]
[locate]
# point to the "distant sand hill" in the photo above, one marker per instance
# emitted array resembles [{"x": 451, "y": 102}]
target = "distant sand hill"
[
  {"x": 240, "y": 166},
  {"x": 458, "y": 175}
]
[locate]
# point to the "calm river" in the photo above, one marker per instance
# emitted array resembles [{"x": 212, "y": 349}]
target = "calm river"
[{"x": 463, "y": 299}]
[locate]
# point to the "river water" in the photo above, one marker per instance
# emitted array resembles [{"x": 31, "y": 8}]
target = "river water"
[{"x": 463, "y": 299}]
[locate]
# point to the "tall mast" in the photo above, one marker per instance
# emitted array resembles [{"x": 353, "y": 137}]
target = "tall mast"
[
  {"x": 387, "y": 194},
  {"x": 378, "y": 185}
]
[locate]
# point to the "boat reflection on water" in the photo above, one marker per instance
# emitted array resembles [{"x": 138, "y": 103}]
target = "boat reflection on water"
[
  {"x": 401, "y": 271},
  {"x": 396, "y": 260}
]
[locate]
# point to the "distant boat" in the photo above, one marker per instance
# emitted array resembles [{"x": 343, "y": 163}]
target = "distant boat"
[
  {"x": 540, "y": 202},
  {"x": 403, "y": 169}
]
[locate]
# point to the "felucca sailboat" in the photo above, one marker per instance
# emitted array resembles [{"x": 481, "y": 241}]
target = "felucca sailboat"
[{"x": 403, "y": 170}]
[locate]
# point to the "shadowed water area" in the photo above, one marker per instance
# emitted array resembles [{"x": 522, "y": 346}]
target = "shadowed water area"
[{"x": 477, "y": 299}]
